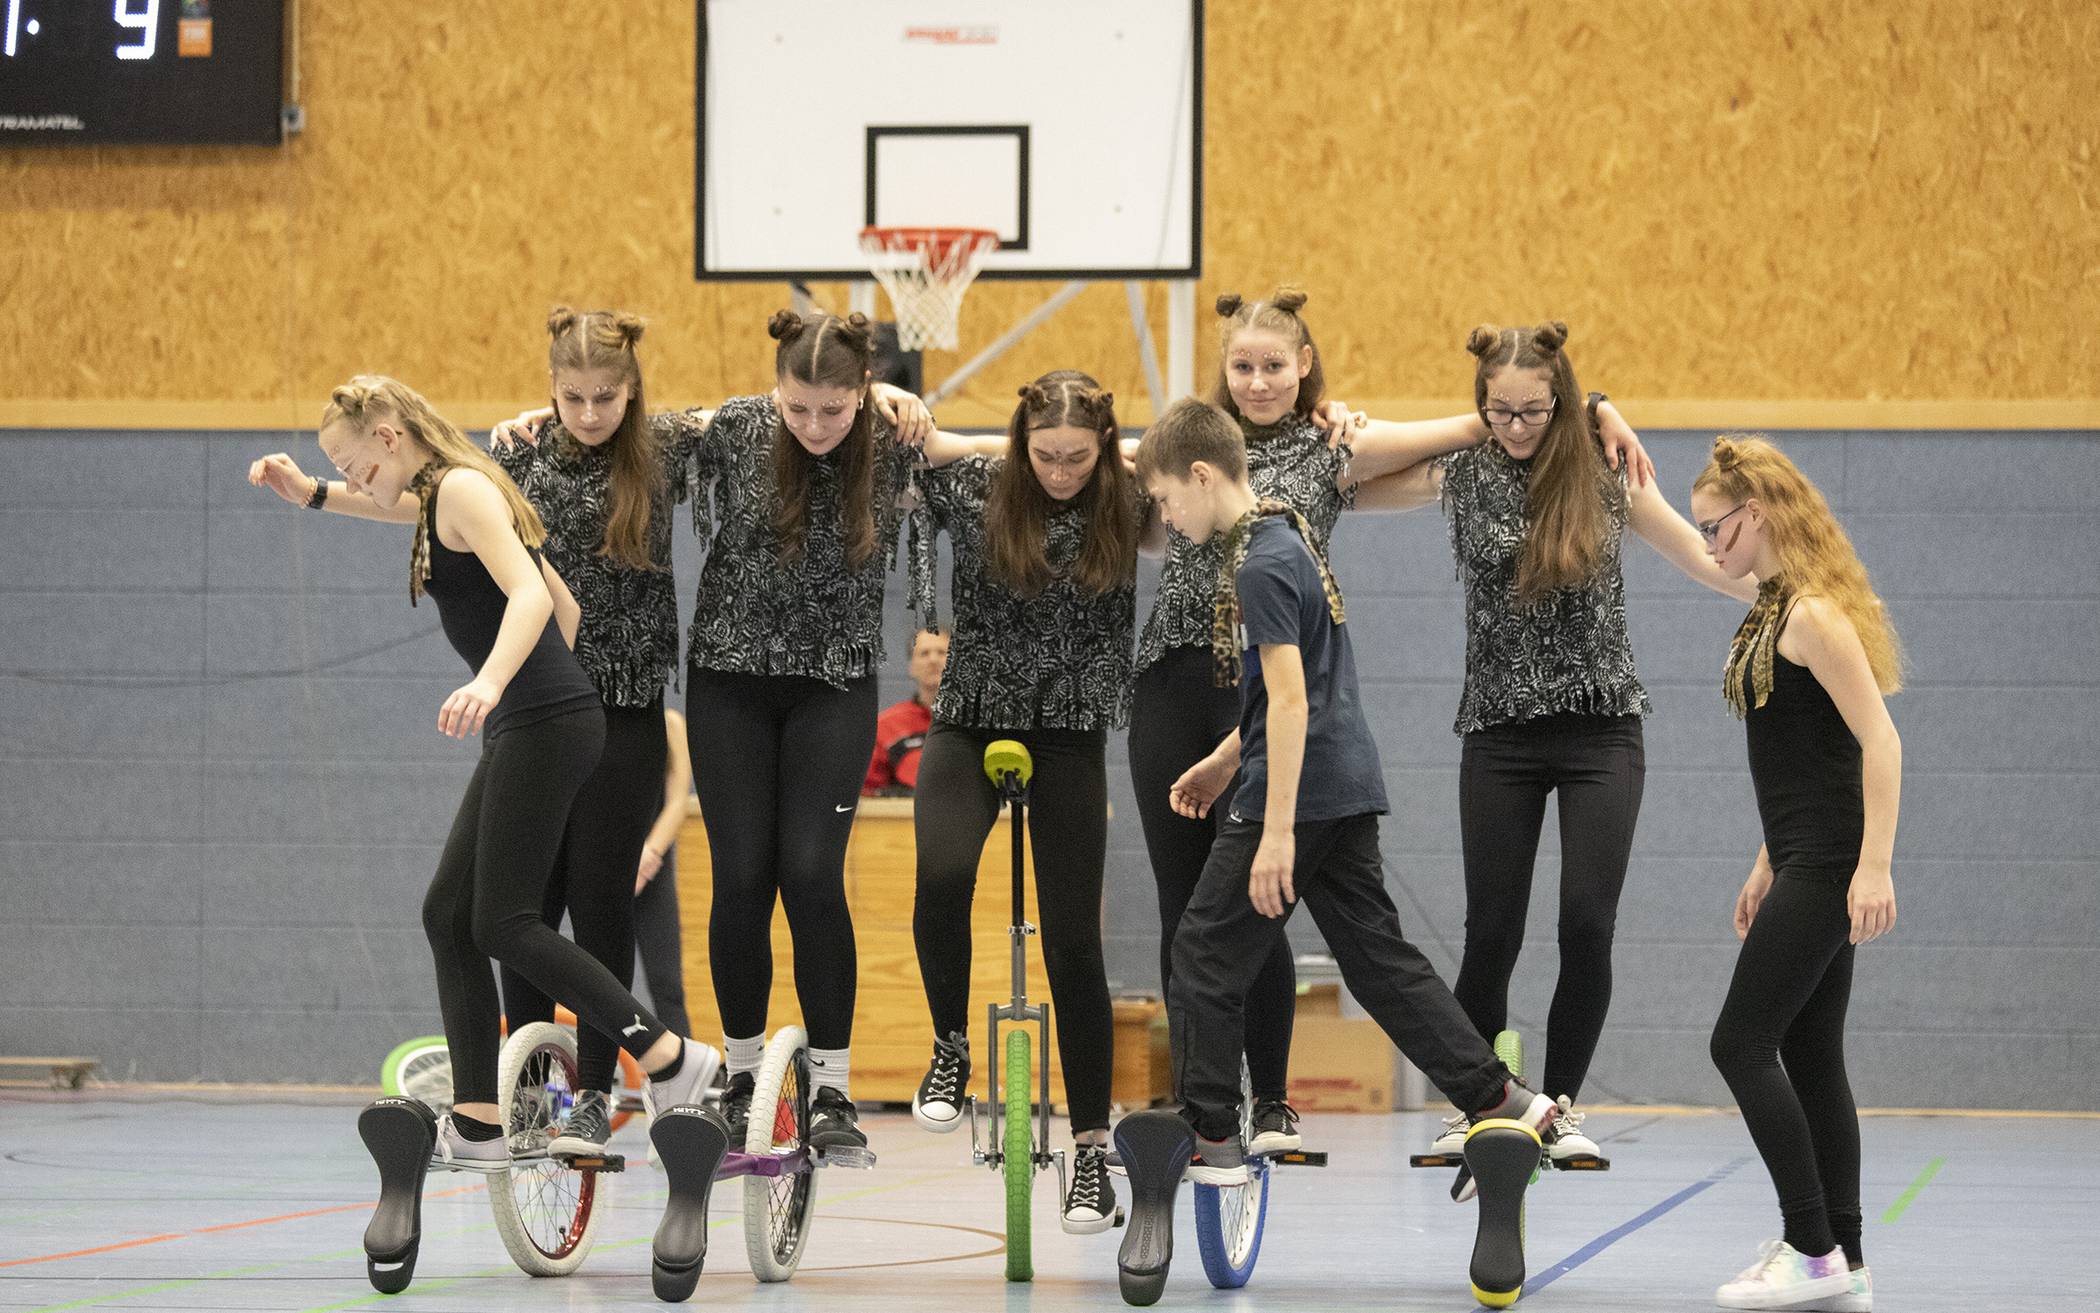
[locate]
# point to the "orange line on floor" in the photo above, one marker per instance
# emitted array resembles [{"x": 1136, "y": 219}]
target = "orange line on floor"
[{"x": 223, "y": 1226}]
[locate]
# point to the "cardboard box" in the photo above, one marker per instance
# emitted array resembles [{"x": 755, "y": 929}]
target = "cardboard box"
[{"x": 1341, "y": 1064}]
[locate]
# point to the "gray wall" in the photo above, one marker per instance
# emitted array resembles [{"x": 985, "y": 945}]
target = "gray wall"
[{"x": 221, "y": 788}]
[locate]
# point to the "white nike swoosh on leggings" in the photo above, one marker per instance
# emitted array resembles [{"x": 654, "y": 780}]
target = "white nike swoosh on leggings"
[{"x": 842, "y": 809}]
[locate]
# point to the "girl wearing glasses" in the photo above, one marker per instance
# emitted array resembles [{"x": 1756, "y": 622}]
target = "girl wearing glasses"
[
  {"x": 1271, "y": 381},
  {"x": 1551, "y": 701},
  {"x": 1807, "y": 673}
]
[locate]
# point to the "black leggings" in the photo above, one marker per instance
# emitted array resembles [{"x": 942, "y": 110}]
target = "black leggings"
[
  {"x": 1598, "y": 765},
  {"x": 593, "y": 881},
  {"x": 1178, "y": 714},
  {"x": 777, "y": 762},
  {"x": 485, "y": 901},
  {"x": 1068, "y": 836},
  {"x": 1780, "y": 1043},
  {"x": 658, "y": 947}
]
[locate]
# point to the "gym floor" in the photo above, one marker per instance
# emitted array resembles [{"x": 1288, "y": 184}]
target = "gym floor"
[{"x": 218, "y": 1200}]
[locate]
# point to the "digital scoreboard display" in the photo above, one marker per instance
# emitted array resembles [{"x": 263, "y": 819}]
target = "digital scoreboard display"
[{"x": 141, "y": 71}]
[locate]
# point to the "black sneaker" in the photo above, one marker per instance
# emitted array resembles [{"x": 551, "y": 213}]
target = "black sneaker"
[
  {"x": 736, "y": 1107},
  {"x": 1090, "y": 1203},
  {"x": 834, "y": 1123},
  {"x": 589, "y": 1127},
  {"x": 1275, "y": 1128},
  {"x": 938, "y": 1106}
]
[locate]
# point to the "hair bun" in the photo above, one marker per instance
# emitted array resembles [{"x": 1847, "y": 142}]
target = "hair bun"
[
  {"x": 1551, "y": 335},
  {"x": 629, "y": 326},
  {"x": 560, "y": 320},
  {"x": 858, "y": 330},
  {"x": 1483, "y": 339},
  {"x": 784, "y": 324},
  {"x": 1726, "y": 454},
  {"x": 1229, "y": 303},
  {"x": 1290, "y": 300}
]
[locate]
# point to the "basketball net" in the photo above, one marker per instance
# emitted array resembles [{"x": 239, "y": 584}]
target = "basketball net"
[{"x": 926, "y": 271}]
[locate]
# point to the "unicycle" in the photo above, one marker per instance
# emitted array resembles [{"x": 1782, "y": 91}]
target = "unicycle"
[
  {"x": 1155, "y": 1147},
  {"x": 547, "y": 1207},
  {"x": 1229, "y": 1217},
  {"x": 1023, "y": 1143}
]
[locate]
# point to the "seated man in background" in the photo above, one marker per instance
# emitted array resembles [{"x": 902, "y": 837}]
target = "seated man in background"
[{"x": 900, "y": 731}]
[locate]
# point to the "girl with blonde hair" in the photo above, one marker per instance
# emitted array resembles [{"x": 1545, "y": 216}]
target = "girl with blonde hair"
[
  {"x": 476, "y": 554},
  {"x": 1807, "y": 674}
]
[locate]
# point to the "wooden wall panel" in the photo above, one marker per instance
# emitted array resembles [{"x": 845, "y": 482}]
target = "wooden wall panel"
[{"x": 1785, "y": 200}]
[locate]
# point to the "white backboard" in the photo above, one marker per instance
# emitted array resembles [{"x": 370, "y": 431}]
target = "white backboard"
[{"x": 1073, "y": 128}]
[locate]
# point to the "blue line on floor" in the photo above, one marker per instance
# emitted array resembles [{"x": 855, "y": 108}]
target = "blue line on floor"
[{"x": 1624, "y": 1229}]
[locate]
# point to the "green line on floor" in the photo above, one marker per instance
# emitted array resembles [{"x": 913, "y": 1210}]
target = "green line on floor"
[{"x": 1903, "y": 1200}]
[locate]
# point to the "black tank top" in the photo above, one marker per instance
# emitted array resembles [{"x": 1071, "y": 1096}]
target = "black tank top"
[
  {"x": 470, "y": 606},
  {"x": 1804, "y": 763}
]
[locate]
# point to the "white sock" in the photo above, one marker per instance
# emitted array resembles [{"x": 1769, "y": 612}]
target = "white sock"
[
  {"x": 829, "y": 1069},
  {"x": 744, "y": 1054}
]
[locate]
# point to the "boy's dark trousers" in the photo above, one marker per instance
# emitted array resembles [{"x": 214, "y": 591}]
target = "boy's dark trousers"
[{"x": 1223, "y": 941}]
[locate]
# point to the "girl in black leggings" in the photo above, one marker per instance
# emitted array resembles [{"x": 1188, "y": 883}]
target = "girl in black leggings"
[
  {"x": 781, "y": 662},
  {"x": 1807, "y": 672},
  {"x": 475, "y": 554},
  {"x": 599, "y": 472},
  {"x": 1045, "y": 553},
  {"x": 1552, "y": 702},
  {"x": 1270, "y": 380}
]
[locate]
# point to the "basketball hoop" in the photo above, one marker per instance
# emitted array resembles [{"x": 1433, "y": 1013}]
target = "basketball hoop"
[{"x": 926, "y": 271}]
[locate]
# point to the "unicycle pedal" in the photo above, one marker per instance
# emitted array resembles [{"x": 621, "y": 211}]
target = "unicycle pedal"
[
  {"x": 1501, "y": 1156},
  {"x": 690, "y": 1143},
  {"x": 399, "y": 1133},
  {"x": 860, "y": 1158},
  {"x": 1298, "y": 1158},
  {"x": 1437, "y": 1160},
  {"x": 1579, "y": 1162},
  {"x": 1155, "y": 1146},
  {"x": 592, "y": 1162}
]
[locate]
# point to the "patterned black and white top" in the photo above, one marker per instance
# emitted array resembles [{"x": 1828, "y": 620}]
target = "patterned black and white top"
[
  {"x": 628, "y": 639},
  {"x": 756, "y": 614},
  {"x": 1290, "y": 461},
  {"x": 1569, "y": 651},
  {"x": 1058, "y": 660}
]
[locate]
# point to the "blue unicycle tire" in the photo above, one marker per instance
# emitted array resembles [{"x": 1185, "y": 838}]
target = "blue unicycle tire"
[{"x": 1229, "y": 1221}]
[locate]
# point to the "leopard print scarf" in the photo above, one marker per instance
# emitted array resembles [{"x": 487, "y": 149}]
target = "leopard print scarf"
[{"x": 1225, "y": 602}]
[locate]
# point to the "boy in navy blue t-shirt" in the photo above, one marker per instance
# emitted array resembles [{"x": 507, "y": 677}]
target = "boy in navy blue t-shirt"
[{"x": 1304, "y": 821}]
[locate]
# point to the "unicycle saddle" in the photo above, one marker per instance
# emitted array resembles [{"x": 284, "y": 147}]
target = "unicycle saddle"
[
  {"x": 1155, "y": 1147},
  {"x": 690, "y": 1143},
  {"x": 1501, "y": 1156},
  {"x": 399, "y": 1133}
]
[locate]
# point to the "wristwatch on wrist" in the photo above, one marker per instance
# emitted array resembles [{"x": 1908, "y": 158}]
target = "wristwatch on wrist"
[{"x": 319, "y": 496}]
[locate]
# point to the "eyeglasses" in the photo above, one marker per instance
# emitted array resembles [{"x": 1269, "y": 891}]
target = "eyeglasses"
[
  {"x": 1530, "y": 417},
  {"x": 1711, "y": 529}
]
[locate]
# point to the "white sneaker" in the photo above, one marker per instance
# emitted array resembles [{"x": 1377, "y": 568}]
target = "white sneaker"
[
  {"x": 1784, "y": 1277},
  {"x": 456, "y": 1153},
  {"x": 1567, "y": 1140},
  {"x": 695, "y": 1074},
  {"x": 1858, "y": 1299},
  {"x": 1453, "y": 1140}
]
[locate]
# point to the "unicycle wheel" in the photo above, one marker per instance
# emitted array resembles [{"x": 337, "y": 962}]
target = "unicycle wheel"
[
  {"x": 1229, "y": 1218},
  {"x": 778, "y": 1209},
  {"x": 546, "y": 1209},
  {"x": 1017, "y": 1164}
]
